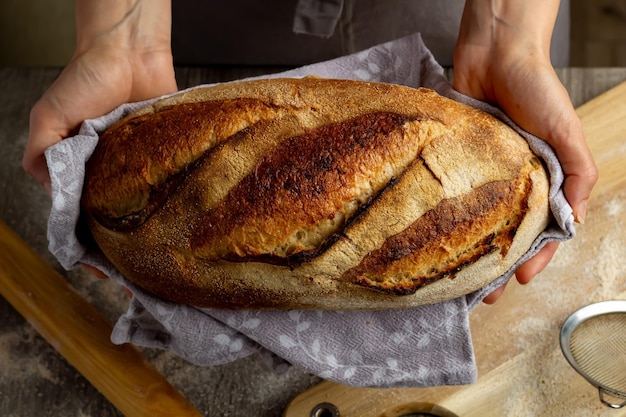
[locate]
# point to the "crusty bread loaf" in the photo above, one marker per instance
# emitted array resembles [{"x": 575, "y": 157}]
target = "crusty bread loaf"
[{"x": 313, "y": 193}]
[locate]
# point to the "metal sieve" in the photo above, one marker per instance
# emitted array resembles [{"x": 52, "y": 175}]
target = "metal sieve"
[{"x": 593, "y": 340}]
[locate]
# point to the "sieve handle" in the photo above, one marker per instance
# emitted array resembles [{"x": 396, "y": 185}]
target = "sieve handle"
[{"x": 603, "y": 393}]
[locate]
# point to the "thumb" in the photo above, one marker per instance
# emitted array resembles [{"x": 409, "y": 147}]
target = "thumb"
[
  {"x": 581, "y": 173},
  {"x": 556, "y": 122},
  {"x": 44, "y": 131}
]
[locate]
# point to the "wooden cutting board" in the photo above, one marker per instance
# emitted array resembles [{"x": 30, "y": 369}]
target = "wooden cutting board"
[{"x": 522, "y": 371}]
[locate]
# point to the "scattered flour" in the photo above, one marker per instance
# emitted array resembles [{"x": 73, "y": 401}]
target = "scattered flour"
[
  {"x": 609, "y": 267},
  {"x": 614, "y": 207},
  {"x": 547, "y": 386},
  {"x": 589, "y": 268},
  {"x": 19, "y": 365},
  {"x": 531, "y": 331}
]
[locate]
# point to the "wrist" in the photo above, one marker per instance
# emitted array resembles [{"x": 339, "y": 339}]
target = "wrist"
[
  {"x": 500, "y": 28},
  {"x": 131, "y": 25}
]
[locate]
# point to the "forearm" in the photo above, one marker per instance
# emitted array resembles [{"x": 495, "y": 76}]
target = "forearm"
[
  {"x": 135, "y": 24},
  {"x": 499, "y": 24}
]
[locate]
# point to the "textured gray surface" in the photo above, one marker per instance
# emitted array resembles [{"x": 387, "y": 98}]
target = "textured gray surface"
[{"x": 35, "y": 380}]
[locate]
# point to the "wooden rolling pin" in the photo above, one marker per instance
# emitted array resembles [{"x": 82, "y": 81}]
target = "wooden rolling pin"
[{"x": 79, "y": 333}]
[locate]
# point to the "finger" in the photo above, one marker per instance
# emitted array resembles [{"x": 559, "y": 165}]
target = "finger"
[
  {"x": 94, "y": 271},
  {"x": 44, "y": 131},
  {"x": 494, "y": 295},
  {"x": 562, "y": 129},
  {"x": 581, "y": 176},
  {"x": 529, "y": 269},
  {"x": 99, "y": 274},
  {"x": 581, "y": 172},
  {"x": 37, "y": 168}
]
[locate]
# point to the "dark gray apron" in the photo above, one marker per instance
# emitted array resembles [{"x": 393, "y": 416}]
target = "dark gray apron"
[{"x": 298, "y": 32}]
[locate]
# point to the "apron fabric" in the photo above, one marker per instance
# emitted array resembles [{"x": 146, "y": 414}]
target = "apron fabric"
[{"x": 299, "y": 32}]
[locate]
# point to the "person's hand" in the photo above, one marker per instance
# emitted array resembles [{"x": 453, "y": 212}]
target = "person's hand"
[
  {"x": 122, "y": 56},
  {"x": 502, "y": 57}
]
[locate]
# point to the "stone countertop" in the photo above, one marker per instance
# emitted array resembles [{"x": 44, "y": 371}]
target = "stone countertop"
[{"x": 36, "y": 381}]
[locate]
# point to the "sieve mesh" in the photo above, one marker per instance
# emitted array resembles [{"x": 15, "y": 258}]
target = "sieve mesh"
[{"x": 598, "y": 346}]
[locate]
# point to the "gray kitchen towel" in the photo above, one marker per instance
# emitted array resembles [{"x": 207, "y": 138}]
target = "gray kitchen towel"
[{"x": 424, "y": 346}]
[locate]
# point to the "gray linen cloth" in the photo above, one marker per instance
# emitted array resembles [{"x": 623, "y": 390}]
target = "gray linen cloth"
[{"x": 424, "y": 346}]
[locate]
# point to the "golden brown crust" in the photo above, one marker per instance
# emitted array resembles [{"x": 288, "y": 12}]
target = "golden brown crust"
[
  {"x": 157, "y": 146},
  {"x": 312, "y": 178},
  {"x": 313, "y": 193},
  {"x": 457, "y": 232}
]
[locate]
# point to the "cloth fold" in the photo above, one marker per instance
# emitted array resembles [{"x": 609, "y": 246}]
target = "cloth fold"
[
  {"x": 317, "y": 17},
  {"x": 423, "y": 346}
]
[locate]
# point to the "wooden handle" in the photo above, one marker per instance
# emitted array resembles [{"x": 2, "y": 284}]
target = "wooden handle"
[
  {"x": 483, "y": 399},
  {"x": 79, "y": 333},
  {"x": 329, "y": 398}
]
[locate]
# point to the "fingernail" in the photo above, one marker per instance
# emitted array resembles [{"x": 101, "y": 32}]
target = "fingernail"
[{"x": 581, "y": 212}]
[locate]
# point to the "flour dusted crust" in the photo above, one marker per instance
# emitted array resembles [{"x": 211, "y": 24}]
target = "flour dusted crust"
[{"x": 313, "y": 193}]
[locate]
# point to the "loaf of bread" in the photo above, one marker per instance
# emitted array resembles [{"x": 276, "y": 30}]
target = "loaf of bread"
[{"x": 313, "y": 193}]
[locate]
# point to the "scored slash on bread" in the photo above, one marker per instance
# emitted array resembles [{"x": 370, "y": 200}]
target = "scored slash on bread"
[{"x": 313, "y": 193}]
